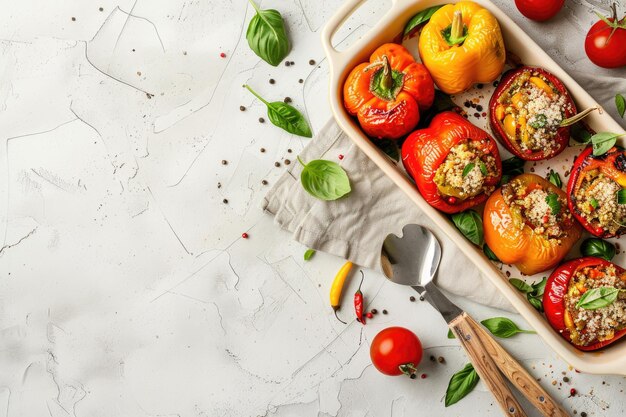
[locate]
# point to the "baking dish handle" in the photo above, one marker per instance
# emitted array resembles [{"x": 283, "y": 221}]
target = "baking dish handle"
[{"x": 334, "y": 23}]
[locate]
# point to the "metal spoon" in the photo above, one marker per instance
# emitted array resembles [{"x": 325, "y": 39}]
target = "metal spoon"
[{"x": 413, "y": 260}]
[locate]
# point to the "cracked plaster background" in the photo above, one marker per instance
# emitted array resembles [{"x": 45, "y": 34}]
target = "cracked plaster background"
[{"x": 125, "y": 287}]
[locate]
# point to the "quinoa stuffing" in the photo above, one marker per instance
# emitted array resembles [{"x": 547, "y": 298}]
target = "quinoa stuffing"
[
  {"x": 530, "y": 112},
  {"x": 467, "y": 171},
  {"x": 596, "y": 199},
  {"x": 544, "y": 211},
  {"x": 592, "y": 326}
]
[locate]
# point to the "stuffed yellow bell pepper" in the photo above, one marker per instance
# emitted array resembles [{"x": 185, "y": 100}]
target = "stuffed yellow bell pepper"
[{"x": 462, "y": 45}]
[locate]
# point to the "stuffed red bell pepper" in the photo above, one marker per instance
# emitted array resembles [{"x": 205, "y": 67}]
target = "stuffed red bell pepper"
[
  {"x": 594, "y": 189},
  {"x": 455, "y": 164},
  {"x": 527, "y": 223},
  {"x": 526, "y": 112},
  {"x": 585, "y": 301}
]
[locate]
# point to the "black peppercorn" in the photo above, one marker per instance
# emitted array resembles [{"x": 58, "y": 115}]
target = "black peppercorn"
[
  {"x": 276, "y": 164},
  {"x": 300, "y": 80},
  {"x": 479, "y": 108},
  {"x": 262, "y": 150},
  {"x": 287, "y": 161},
  {"x": 261, "y": 120},
  {"x": 441, "y": 359},
  {"x": 384, "y": 311},
  {"x": 272, "y": 81},
  {"x": 242, "y": 108},
  {"x": 412, "y": 298},
  {"x": 289, "y": 150},
  {"x": 311, "y": 62},
  {"x": 287, "y": 63},
  {"x": 374, "y": 311},
  {"x": 224, "y": 162},
  {"x": 225, "y": 201}
]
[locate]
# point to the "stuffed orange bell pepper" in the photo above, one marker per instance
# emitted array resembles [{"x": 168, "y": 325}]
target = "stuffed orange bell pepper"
[
  {"x": 388, "y": 93},
  {"x": 462, "y": 45},
  {"x": 455, "y": 164},
  {"x": 527, "y": 223}
]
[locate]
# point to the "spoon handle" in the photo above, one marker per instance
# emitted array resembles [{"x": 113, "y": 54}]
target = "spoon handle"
[
  {"x": 462, "y": 327},
  {"x": 520, "y": 378}
]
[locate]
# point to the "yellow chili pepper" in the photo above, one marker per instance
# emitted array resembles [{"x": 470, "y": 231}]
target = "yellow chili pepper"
[
  {"x": 462, "y": 45},
  {"x": 337, "y": 287}
]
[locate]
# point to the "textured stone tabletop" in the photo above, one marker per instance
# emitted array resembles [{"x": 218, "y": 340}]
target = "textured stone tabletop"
[{"x": 128, "y": 174}]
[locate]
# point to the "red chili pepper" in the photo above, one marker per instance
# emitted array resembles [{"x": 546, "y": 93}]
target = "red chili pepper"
[
  {"x": 426, "y": 149},
  {"x": 358, "y": 302},
  {"x": 554, "y": 298},
  {"x": 497, "y": 126},
  {"x": 613, "y": 165}
]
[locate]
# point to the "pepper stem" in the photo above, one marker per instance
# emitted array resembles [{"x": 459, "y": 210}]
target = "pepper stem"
[
  {"x": 362, "y": 278},
  {"x": 456, "y": 31},
  {"x": 256, "y": 95},
  {"x": 387, "y": 80},
  {"x": 300, "y": 160},
  {"x": 407, "y": 369},
  {"x": 578, "y": 117},
  {"x": 336, "y": 308}
]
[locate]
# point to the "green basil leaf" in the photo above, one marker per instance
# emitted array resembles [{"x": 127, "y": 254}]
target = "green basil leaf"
[
  {"x": 461, "y": 384},
  {"x": 421, "y": 17},
  {"x": 580, "y": 133},
  {"x": 597, "y": 298},
  {"x": 553, "y": 201},
  {"x": 536, "y": 302},
  {"x": 266, "y": 35},
  {"x": 389, "y": 147},
  {"x": 468, "y": 168},
  {"x": 503, "y": 327},
  {"x": 309, "y": 254},
  {"x": 593, "y": 202},
  {"x": 483, "y": 168},
  {"x": 471, "y": 225},
  {"x": 442, "y": 102},
  {"x": 450, "y": 334},
  {"x": 489, "y": 254},
  {"x": 603, "y": 141},
  {"x": 539, "y": 287},
  {"x": 620, "y": 103},
  {"x": 598, "y": 248},
  {"x": 621, "y": 196},
  {"x": 288, "y": 118},
  {"x": 521, "y": 285},
  {"x": 513, "y": 164},
  {"x": 325, "y": 180},
  {"x": 555, "y": 178}
]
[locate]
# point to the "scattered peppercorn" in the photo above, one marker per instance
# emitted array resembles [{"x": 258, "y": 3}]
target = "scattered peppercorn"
[
  {"x": 421, "y": 298},
  {"x": 272, "y": 81},
  {"x": 340, "y": 157},
  {"x": 412, "y": 298},
  {"x": 244, "y": 235},
  {"x": 277, "y": 164},
  {"x": 384, "y": 311},
  {"x": 261, "y": 120},
  {"x": 287, "y": 63},
  {"x": 287, "y": 161},
  {"x": 225, "y": 201},
  {"x": 467, "y": 103},
  {"x": 222, "y": 55},
  {"x": 369, "y": 315},
  {"x": 289, "y": 150},
  {"x": 300, "y": 80},
  {"x": 565, "y": 379},
  {"x": 219, "y": 185},
  {"x": 73, "y": 19},
  {"x": 479, "y": 86},
  {"x": 413, "y": 376},
  {"x": 495, "y": 83},
  {"x": 311, "y": 62},
  {"x": 262, "y": 150},
  {"x": 479, "y": 108},
  {"x": 224, "y": 162},
  {"x": 242, "y": 108},
  {"x": 572, "y": 392},
  {"x": 583, "y": 414},
  {"x": 432, "y": 358},
  {"x": 264, "y": 182},
  {"x": 292, "y": 63},
  {"x": 423, "y": 376},
  {"x": 477, "y": 114},
  {"x": 484, "y": 114},
  {"x": 441, "y": 359},
  {"x": 374, "y": 311},
  {"x": 287, "y": 100}
]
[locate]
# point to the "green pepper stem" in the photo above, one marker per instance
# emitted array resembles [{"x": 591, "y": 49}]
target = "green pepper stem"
[
  {"x": 456, "y": 31},
  {"x": 387, "y": 80},
  {"x": 256, "y": 95},
  {"x": 577, "y": 117}
]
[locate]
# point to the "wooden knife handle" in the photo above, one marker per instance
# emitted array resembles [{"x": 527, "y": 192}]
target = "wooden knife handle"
[
  {"x": 462, "y": 327},
  {"x": 520, "y": 378}
]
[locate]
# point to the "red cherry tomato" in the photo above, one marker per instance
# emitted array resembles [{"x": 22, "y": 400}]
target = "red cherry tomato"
[
  {"x": 539, "y": 10},
  {"x": 396, "y": 351},
  {"x": 605, "y": 44}
]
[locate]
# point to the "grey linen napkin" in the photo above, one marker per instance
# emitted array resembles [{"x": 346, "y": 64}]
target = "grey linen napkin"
[{"x": 355, "y": 226}]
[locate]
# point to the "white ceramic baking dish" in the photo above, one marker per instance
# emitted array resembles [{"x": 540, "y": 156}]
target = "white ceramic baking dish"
[{"x": 611, "y": 360}]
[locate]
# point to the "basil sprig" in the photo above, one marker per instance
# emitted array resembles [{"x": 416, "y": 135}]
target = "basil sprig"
[
  {"x": 461, "y": 384},
  {"x": 489, "y": 254},
  {"x": 309, "y": 254},
  {"x": 620, "y": 103},
  {"x": 471, "y": 225},
  {"x": 285, "y": 116},
  {"x": 597, "y": 247},
  {"x": 503, "y": 327},
  {"x": 325, "y": 180},
  {"x": 555, "y": 178},
  {"x": 553, "y": 201},
  {"x": 534, "y": 292},
  {"x": 597, "y": 298},
  {"x": 621, "y": 196},
  {"x": 468, "y": 168},
  {"x": 421, "y": 17},
  {"x": 603, "y": 141},
  {"x": 266, "y": 35}
]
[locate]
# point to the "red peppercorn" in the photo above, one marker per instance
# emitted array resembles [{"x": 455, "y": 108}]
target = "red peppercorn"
[
  {"x": 369, "y": 315},
  {"x": 244, "y": 235},
  {"x": 222, "y": 55},
  {"x": 423, "y": 376},
  {"x": 340, "y": 157},
  {"x": 572, "y": 392}
]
